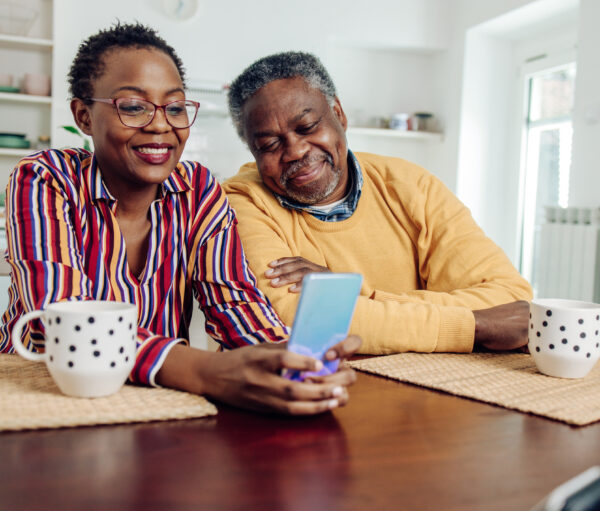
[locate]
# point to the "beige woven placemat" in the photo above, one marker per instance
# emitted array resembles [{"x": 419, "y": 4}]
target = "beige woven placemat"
[
  {"x": 29, "y": 399},
  {"x": 510, "y": 380}
]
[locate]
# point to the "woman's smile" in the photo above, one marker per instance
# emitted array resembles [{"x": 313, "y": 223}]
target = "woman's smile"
[{"x": 154, "y": 154}]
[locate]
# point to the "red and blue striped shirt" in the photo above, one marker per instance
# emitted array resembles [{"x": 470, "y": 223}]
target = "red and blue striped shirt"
[{"x": 64, "y": 243}]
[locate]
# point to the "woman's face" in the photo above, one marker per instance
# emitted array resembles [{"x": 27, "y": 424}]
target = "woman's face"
[{"x": 131, "y": 158}]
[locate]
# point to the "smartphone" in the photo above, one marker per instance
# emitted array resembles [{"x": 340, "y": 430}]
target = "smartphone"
[
  {"x": 323, "y": 317},
  {"x": 581, "y": 493}
]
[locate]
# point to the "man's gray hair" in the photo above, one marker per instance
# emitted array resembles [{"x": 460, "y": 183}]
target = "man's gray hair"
[{"x": 288, "y": 64}]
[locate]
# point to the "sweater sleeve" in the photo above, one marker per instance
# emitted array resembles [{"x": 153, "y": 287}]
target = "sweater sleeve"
[{"x": 461, "y": 270}]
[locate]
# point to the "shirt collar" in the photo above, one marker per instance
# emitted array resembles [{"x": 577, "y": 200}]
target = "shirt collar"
[
  {"x": 343, "y": 210},
  {"x": 176, "y": 182}
]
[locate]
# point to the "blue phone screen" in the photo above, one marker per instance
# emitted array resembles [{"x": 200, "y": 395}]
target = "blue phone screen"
[{"x": 324, "y": 312}]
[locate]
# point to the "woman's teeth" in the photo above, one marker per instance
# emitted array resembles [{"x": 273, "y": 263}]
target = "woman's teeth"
[{"x": 153, "y": 150}]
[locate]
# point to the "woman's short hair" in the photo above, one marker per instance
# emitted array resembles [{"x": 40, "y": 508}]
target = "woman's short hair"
[
  {"x": 278, "y": 66},
  {"x": 89, "y": 64}
]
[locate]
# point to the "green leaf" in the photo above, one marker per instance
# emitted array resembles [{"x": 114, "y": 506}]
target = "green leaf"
[{"x": 72, "y": 129}]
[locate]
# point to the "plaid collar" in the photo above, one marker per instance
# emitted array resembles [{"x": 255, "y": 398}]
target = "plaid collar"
[{"x": 343, "y": 210}]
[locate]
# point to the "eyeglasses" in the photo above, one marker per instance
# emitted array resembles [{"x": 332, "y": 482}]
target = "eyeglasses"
[{"x": 137, "y": 113}]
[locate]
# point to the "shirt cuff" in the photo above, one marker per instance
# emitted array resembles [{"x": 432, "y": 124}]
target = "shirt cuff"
[{"x": 150, "y": 357}]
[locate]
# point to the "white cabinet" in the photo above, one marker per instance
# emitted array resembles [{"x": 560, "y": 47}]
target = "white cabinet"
[{"x": 24, "y": 113}]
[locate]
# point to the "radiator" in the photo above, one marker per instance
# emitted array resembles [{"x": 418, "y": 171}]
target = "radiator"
[{"x": 567, "y": 260}]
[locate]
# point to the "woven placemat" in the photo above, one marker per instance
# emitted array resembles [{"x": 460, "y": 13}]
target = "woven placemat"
[
  {"x": 508, "y": 380},
  {"x": 29, "y": 399}
]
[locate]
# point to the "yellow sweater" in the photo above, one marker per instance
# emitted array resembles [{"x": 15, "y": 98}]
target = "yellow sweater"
[{"x": 426, "y": 264}]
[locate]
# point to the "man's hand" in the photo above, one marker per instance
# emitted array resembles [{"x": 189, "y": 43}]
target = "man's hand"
[
  {"x": 503, "y": 327},
  {"x": 289, "y": 271}
]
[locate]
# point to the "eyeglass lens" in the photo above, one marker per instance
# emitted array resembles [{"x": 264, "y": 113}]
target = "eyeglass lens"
[{"x": 137, "y": 113}]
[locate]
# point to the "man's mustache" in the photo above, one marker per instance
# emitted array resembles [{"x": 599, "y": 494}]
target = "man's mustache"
[{"x": 304, "y": 162}]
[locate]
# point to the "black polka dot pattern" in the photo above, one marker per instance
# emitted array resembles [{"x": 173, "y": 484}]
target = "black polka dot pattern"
[
  {"x": 77, "y": 343},
  {"x": 551, "y": 331}
]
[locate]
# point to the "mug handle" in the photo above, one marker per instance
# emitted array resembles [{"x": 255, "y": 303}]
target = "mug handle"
[{"x": 16, "y": 337}]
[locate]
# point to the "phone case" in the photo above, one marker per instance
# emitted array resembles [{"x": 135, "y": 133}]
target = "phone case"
[{"x": 323, "y": 317}]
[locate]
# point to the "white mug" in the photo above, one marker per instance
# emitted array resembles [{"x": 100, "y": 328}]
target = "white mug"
[
  {"x": 90, "y": 346},
  {"x": 564, "y": 336}
]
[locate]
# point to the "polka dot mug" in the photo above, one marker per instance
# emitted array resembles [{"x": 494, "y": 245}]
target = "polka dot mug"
[
  {"x": 564, "y": 336},
  {"x": 90, "y": 346}
]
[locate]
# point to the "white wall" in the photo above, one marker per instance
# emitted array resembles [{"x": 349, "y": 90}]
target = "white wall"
[
  {"x": 224, "y": 37},
  {"x": 585, "y": 171},
  {"x": 488, "y": 136}
]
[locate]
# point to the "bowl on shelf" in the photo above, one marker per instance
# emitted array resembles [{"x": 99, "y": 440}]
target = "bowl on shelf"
[
  {"x": 16, "y": 19},
  {"x": 36, "y": 84},
  {"x": 14, "y": 141}
]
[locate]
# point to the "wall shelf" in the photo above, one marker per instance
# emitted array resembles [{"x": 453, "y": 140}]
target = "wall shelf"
[
  {"x": 423, "y": 136},
  {"x": 24, "y": 98},
  {"x": 20, "y": 42}
]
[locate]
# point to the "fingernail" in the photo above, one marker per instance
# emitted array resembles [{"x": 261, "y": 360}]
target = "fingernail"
[
  {"x": 330, "y": 355},
  {"x": 318, "y": 365},
  {"x": 269, "y": 272},
  {"x": 293, "y": 287},
  {"x": 333, "y": 403},
  {"x": 337, "y": 391},
  {"x": 274, "y": 281}
]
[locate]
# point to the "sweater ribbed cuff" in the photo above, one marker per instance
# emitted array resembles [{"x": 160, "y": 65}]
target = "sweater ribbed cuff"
[{"x": 457, "y": 330}]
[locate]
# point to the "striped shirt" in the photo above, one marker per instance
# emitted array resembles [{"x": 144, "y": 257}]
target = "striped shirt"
[{"x": 64, "y": 243}]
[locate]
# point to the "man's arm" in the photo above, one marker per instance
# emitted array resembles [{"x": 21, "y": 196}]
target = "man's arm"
[
  {"x": 503, "y": 327},
  {"x": 439, "y": 318}
]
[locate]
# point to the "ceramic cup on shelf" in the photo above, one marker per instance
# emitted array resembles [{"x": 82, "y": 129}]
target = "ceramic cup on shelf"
[
  {"x": 36, "y": 84},
  {"x": 90, "y": 346},
  {"x": 400, "y": 122},
  {"x": 564, "y": 336}
]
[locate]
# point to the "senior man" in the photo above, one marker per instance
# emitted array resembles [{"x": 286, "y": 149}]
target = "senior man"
[{"x": 432, "y": 280}]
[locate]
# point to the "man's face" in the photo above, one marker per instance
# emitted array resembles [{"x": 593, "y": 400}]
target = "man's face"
[{"x": 298, "y": 141}]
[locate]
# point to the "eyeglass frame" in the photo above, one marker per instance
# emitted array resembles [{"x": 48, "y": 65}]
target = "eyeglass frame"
[{"x": 115, "y": 101}]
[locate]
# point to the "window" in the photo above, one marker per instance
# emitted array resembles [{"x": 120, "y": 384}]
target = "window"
[{"x": 547, "y": 137}]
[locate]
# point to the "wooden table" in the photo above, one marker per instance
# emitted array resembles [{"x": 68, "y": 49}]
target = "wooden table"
[{"x": 395, "y": 446}]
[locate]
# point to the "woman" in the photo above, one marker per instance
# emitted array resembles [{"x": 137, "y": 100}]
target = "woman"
[{"x": 131, "y": 223}]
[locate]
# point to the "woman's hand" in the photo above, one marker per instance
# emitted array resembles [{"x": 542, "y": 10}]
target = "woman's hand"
[
  {"x": 249, "y": 377},
  {"x": 289, "y": 271}
]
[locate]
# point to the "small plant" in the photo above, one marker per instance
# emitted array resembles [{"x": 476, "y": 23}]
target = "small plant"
[{"x": 75, "y": 131}]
